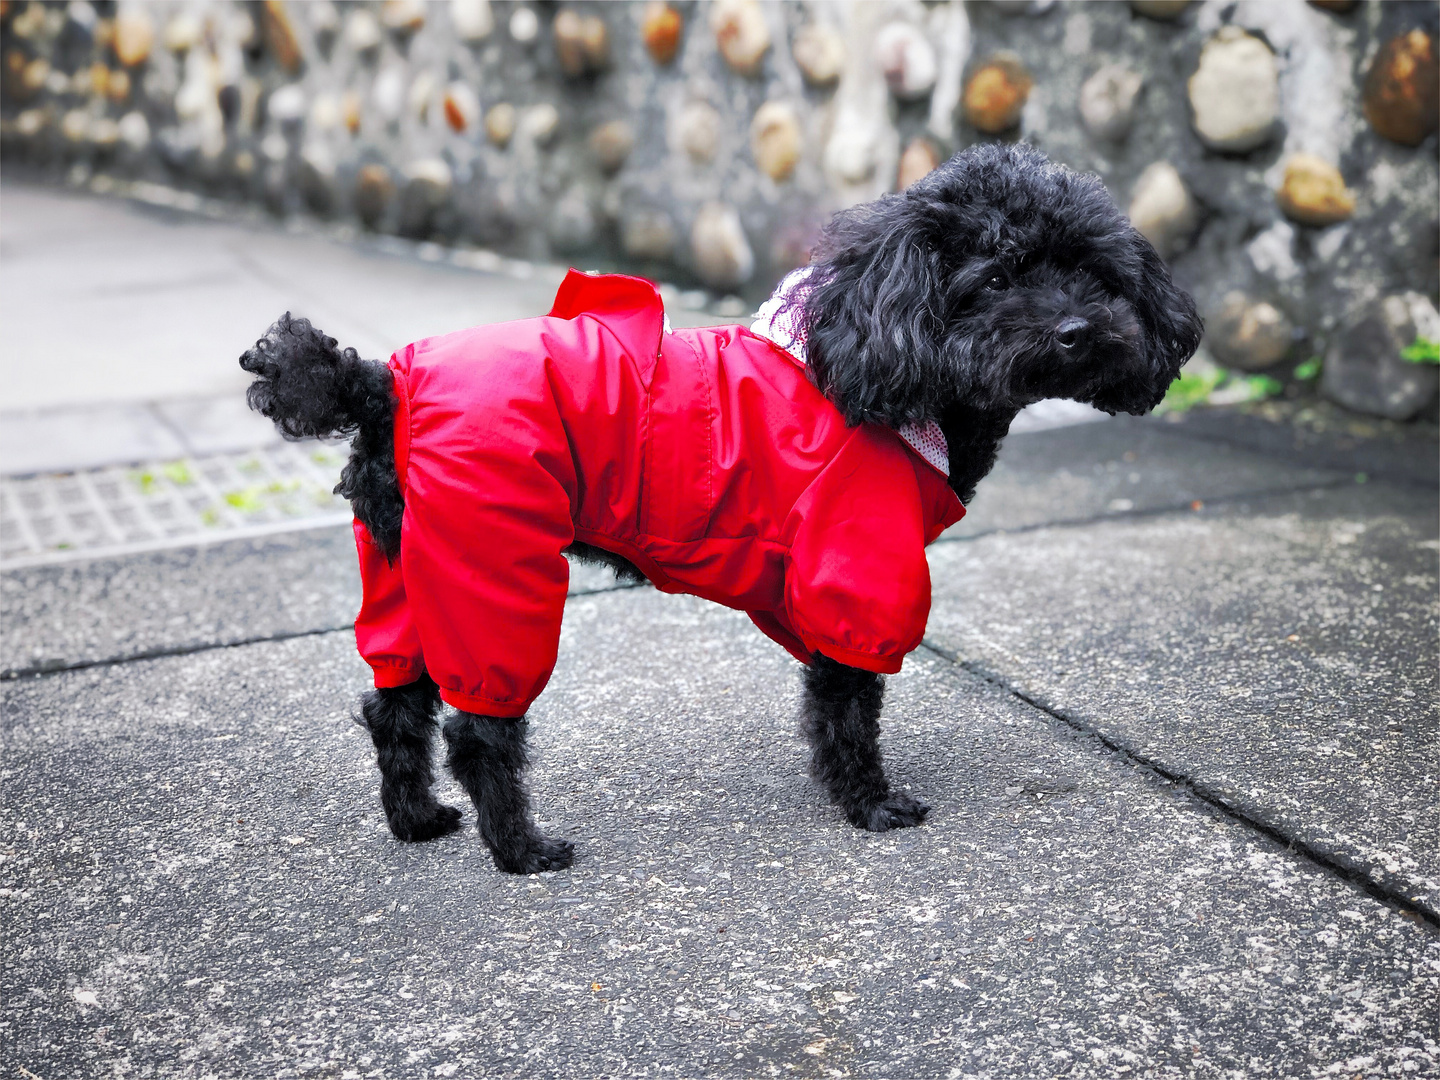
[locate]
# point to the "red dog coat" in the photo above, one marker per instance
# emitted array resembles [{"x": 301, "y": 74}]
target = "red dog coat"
[{"x": 705, "y": 457}]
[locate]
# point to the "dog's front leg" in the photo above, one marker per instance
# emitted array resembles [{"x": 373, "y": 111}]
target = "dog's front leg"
[
  {"x": 840, "y": 713},
  {"x": 402, "y": 725},
  {"x": 487, "y": 756}
]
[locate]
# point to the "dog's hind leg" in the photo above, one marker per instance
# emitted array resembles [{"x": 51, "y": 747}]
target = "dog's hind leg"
[
  {"x": 487, "y": 756},
  {"x": 840, "y": 714},
  {"x": 402, "y": 726}
]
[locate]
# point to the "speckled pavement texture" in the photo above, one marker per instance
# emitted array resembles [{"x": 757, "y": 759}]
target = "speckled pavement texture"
[{"x": 197, "y": 880}]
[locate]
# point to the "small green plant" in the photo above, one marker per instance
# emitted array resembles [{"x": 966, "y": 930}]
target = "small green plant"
[
  {"x": 1190, "y": 389},
  {"x": 144, "y": 480},
  {"x": 1308, "y": 370},
  {"x": 246, "y": 500},
  {"x": 178, "y": 473},
  {"x": 1421, "y": 351},
  {"x": 1216, "y": 386}
]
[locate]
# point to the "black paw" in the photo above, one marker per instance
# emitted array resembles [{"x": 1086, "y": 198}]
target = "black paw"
[
  {"x": 436, "y": 821},
  {"x": 539, "y": 856},
  {"x": 897, "y": 811}
]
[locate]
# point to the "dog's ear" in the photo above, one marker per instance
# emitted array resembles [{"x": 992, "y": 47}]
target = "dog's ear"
[
  {"x": 872, "y": 319},
  {"x": 1173, "y": 328}
]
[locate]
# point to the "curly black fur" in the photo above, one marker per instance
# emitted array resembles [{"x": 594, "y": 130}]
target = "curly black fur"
[
  {"x": 998, "y": 280},
  {"x": 312, "y": 388},
  {"x": 840, "y": 716},
  {"x": 488, "y": 758},
  {"x": 402, "y": 723}
]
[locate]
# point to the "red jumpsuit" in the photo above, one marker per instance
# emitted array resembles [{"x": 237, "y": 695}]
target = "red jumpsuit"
[{"x": 705, "y": 457}]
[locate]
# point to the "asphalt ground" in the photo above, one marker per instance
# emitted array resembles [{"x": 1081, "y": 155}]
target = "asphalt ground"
[{"x": 1166, "y": 839}]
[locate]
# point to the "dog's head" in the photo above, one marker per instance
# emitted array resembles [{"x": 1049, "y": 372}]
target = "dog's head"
[{"x": 999, "y": 279}]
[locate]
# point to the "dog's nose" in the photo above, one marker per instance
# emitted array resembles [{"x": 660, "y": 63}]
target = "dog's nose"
[{"x": 1071, "y": 331}]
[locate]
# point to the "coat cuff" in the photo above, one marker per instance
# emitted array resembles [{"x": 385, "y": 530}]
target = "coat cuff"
[
  {"x": 881, "y": 665},
  {"x": 481, "y": 706}
]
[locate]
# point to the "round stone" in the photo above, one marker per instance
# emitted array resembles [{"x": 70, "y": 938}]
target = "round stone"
[
  {"x": 524, "y": 25},
  {"x": 1248, "y": 334},
  {"x": 699, "y": 126},
  {"x": 741, "y": 34},
  {"x": 117, "y": 86},
  {"x": 996, "y": 94},
  {"x": 75, "y": 125},
  {"x": 541, "y": 123},
  {"x": 403, "y": 16},
  {"x": 1363, "y": 367},
  {"x": 1235, "y": 91},
  {"x": 1162, "y": 209},
  {"x": 287, "y": 104},
  {"x": 582, "y": 44},
  {"x": 182, "y": 33},
  {"x": 819, "y": 52},
  {"x": 1107, "y": 101},
  {"x": 362, "y": 31},
  {"x": 611, "y": 144},
  {"x": 1313, "y": 192},
  {"x": 907, "y": 59},
  {"x": 388, "y": 94},
  {"x": 775, "y": 139},
  {"x": 472, "y": 19},
  {"x": 280, "y": 37},
  {"x": 648, "y": 234},
  {"x": 422, "y": 90},
  {"x": 500, "y": 123},
  {"x": 850, "y": 154},
  {"x": 350, "y": 111},
  {"x": 462, "y": 107},
  {"x": 1159, "y": 9},
  {"x": 723, "y": 259},
  {"x": 134, "y": 34},
  {"x": 660, "y": 28},
  {"x": 373, "y": 191},
  {"x": 1402, "y": 89},
  {"x": 135, "y": 130},
  {"x": 919, "y": 160}
]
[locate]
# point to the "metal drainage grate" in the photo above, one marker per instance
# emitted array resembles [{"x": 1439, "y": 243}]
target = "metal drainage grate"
[{"x": 50, "y": 517}]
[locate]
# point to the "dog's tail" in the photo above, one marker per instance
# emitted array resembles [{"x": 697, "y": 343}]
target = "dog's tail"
[{"x": 311, "y": 387}]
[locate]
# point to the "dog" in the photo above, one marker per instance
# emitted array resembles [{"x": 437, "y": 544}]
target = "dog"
[{"x": 796, "y": 470}]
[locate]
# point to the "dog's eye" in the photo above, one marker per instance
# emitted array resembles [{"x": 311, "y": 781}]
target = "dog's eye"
[{"x": 996, "y": 282}]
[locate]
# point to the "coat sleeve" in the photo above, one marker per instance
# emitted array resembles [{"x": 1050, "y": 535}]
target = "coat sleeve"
[
  {"x": 858, "y": 584},
  {"x": 384, "y": 630}
]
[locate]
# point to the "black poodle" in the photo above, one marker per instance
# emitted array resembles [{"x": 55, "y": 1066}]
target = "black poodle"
[{"x": 933, "y": 315}]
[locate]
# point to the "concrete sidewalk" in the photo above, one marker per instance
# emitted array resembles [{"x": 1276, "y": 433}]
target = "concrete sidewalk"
[{"x": 1177, "y": 717}]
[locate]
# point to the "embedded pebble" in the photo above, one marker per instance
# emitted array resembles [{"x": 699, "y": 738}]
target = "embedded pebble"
[
  {"x": 660, "y": 29},
  {"x": 582, "y": 43},
  {"x": 1164, "y": 10},
  {"x": 907, "y": 60},
  {"x": 741, "y": 34},
  {"x": 472, "y": 19},
  {"x": 1313, "y": 192},
  {"x": 500, "y": 121},
  {"x": 462, "y": 107},
  {"x": 403, "y": 16},
  {"x": 819, "y": 52},
  {"x": 722, "y": 253},
  {"x": 648, "y": 234},
  {"x": 919, "y": 160},
  {"x": 280, "y": 36},
  {"x": 1402, "y": 89},
  {"x": 1162, "y": 208},
  {"x": 1248, "y": 334},
  {"x": 1363, "y": 368},
  {"x": 775, "y": 139},
  {"x": 373, "y": 191},
  {"x": 524, "y": 25},
  {"x": 996, "y": 93},
  {"x": 134, "y": 34},
  {"x": 611, "y": 144},
  {"x": 699, "y": 130},
  {"x": 1235, "y": 91},
  {"x": 362, "y": 31},
  {"x": 1107, "y": 101}
]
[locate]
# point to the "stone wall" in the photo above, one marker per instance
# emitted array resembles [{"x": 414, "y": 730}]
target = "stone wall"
[{"x": 1281, "y": 154}]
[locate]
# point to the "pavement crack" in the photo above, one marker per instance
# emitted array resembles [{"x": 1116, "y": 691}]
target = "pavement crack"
[
  {"x": 1198, "y": 789},
  {"x": 1143, "y": 512},
  {"x": 63, "y": 666}
]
